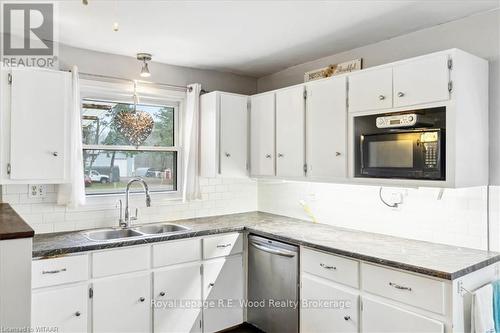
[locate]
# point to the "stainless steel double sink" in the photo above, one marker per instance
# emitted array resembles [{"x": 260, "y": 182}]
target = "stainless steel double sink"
[{"x": 140, "y": 231}]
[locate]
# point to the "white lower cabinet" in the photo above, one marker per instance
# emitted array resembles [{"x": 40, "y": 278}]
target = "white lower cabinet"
[
  {"x": 326, "y": 307},
  {"x": 122, "y": 304},
  {"x": 177, "y": 296},
  {"x": 222, "y": 293},
  {"x": 380, "y": 317},
  {"x": 65, "y": 308}
]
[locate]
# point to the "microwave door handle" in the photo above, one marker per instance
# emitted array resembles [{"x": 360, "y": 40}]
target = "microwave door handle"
[{"x": 361, "y": 155}]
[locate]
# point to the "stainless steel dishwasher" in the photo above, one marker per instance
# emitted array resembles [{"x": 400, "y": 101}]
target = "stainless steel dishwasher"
[{"x": 273, "y": 285}]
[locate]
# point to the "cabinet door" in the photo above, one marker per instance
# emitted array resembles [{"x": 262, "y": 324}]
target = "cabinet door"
[
  {"x": 380, "y": 317},
  {"x": 40, "y": 101},
  {"x": 421, "y": 81},
  {"x": 290, "y": 136},
  {"x": 222, "y": 293},
  {"x": 339, "y": 314},
  {"x": 175, "y": 291},
  {"x": 262, "y": 122},
  {"x": 370, "y": 90},
  {"x": 65, "y": 308},
  {"x": 122, "y": 304},
  {"x": 326, "y": 128},
  {"x": 233, "y": 135}
]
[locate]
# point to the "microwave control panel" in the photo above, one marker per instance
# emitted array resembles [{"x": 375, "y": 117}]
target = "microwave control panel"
[
  {"x": 431, "y": 154},
  {"x": 403, "y": 120}
]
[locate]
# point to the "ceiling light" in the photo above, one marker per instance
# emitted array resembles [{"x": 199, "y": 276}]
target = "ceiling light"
[{"x": 144, "y": 57}]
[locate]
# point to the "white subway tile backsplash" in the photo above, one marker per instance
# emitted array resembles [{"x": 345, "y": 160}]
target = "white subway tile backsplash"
[
  {"x": 44, "y": 215},
  {"x": 458, "y": 218}
]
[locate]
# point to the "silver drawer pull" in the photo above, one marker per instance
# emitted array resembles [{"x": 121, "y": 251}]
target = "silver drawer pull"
[
  {"x": 55, "y": 271},
  {"x": 397, "y": 286},
  {"x": 211, "y": 284},
  {"x": 77, "y": 313},
  {"x": 221, "y": 246},
  {"x": 142, "y": 299},
  {"x": 327, "y": 267}
]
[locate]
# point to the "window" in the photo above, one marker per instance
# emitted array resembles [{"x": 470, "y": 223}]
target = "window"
[{"x": 110, "y": 154}]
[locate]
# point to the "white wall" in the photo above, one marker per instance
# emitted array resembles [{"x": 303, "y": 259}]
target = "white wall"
[
  {"x": 478, "y": 34},
  {"x": 128, "y": 67}
]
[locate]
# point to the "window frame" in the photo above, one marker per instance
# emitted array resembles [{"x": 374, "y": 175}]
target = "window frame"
[{"x": 148, "y": 95}]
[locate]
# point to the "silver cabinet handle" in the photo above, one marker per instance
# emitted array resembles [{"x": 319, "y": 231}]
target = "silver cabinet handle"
[
  {"x": 346, "y": 318},
  {"x": 327, "y": 267},
  {"x": 162, "y": 293},
  {"x": 55, "y": 154},
  {"x": 400, "y": 287},
  {"x": 227, "y": 155},
  {"x": 268, "y": 155},
  {"x": 55, "y": 271},
  {"x": 337, "y": 153},
  {"x": 221, "y": 246},
  {"x": 401, "y": 94},
  {"x": 142, "y": 299},
  {"x": 211, "y": 284},
  {"x": 381, "y": 97},
  {"x": 281, "y": 155},
  {"x": 77, "y": 313}
]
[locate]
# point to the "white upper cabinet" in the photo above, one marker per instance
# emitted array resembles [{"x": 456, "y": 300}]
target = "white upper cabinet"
[
  {"x": 423, "y": 80},
  {"x": 262, "y": 143},
  {"x": 35, "y": 118},
  {"x": 370, "y": 90},
  {"x": 326, "y": 128},
  {"x": 290, "y": 138},
  {"x": 223, "y": 135}
]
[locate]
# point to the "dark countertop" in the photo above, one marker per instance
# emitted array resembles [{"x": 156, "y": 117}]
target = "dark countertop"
[
  {"x": 12, "y": 226},
  {"x": 438, "y": 260}
]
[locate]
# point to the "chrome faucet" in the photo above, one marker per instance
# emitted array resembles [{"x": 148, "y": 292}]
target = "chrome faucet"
[{"x": 125, "y": 223}]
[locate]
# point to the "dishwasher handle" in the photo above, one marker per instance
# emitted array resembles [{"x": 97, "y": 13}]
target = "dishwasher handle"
[{"x": 271, "y": 250}]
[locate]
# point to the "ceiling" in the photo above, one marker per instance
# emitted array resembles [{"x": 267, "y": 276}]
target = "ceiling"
[{"x": 253, "y": 38}]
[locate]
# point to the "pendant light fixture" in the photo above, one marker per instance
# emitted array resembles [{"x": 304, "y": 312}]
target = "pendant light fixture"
[{"x": 144, "y": 57}]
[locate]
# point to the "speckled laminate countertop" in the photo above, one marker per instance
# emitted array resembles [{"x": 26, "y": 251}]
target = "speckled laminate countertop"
[{"x": 438, "y": 260}]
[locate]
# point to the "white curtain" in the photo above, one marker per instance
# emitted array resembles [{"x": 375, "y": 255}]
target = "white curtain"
[
  {"x": 191, "y": 186},
  {"x": 72, "y": 194}
]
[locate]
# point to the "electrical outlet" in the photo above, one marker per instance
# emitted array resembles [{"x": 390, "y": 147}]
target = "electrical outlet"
[{"x": 37, "y": 191}]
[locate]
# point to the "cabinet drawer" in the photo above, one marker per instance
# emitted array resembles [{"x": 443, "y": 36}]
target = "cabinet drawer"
[
  {"x": 407, "y": 288},
  {"x": 49, "y": 272},
  {"x": 223, "y": 245},
  {"x": 176, "y": 252},
  {"x": 331, "y": 267},
  {"x": 379, "y": 317},
  {"x": 112, "y": 262}
]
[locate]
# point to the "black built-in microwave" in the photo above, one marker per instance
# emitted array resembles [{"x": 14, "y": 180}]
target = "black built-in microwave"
[{"x": 406, "y": 145}]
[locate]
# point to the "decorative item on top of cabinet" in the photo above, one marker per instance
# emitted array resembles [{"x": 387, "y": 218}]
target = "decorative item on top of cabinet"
[
  {"x": 262, "y": 138},
  {"x": 223, "y": 135},
  {"x": 336, "y": 69},
  {"x": 326, "y": 128},
  {"x": 35, "y": 103},
  {"x": 290, "y": 137}
]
